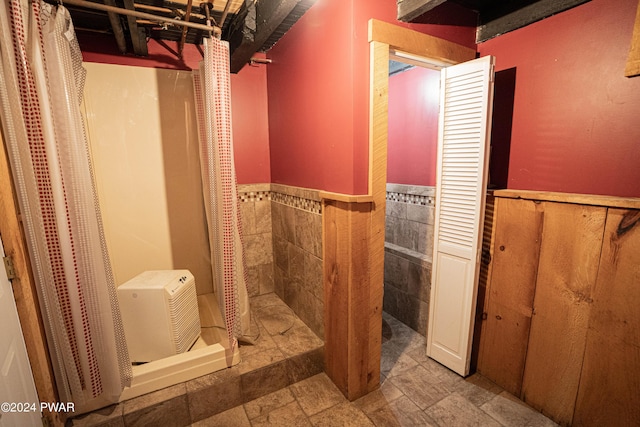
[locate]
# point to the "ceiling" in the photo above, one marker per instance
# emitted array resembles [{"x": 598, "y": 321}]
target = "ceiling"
[
  {"x": 253, "y": 26},
  {"x": 491, "y": 17},
  {"x": 249, "y": 26}
]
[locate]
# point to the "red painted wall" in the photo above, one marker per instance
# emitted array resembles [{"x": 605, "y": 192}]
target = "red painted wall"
[
  {"x": 414, "y": 100},
  {"x": 576, "y": 117},
  {"x": 318, "y": 87},
  {"x": 250, "y": 121},
  {"x": 248, "y": 98},
  {"x": 102, "y": 49}
]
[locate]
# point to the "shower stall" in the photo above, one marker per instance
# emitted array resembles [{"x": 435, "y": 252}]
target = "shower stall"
[{"x": 94, "y": 220}]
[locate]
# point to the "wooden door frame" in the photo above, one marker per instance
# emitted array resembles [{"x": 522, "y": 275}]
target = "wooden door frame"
[
  {"x": 24, "y": 290},
  {"x": 353, "y": 226},
  {"x": 385, "y": 38}
]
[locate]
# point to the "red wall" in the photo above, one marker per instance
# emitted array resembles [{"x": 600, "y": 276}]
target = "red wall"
[
  {"x": 576, "y": 118},
  {"x": 248, "y": 98},
  {"x": 318, "y": 88},
  {"x": 250, "y": 121},
  {"x": 414, "y": 101}
]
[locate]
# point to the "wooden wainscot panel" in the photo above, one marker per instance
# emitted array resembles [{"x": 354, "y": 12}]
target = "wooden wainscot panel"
[
  {"x": 513, "y": 270},
  {"x": 348, "y": 350},
  {"x": 609, "y": 391},
  {"x": 567, "y": 271}
]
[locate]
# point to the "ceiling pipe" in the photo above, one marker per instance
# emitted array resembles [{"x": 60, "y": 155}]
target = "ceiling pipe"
[
  {"x": 143, "y": 15},
  {"x": 254, "y": 60}
]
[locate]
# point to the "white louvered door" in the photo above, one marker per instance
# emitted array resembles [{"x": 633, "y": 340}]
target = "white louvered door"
[{"x": 465, "y": 120}]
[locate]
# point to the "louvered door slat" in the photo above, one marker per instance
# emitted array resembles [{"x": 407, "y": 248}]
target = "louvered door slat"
[{"x": 466, "y": 93}]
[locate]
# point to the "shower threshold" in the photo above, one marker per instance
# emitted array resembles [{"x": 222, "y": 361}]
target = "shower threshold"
[{"x": 210, "y": 353}]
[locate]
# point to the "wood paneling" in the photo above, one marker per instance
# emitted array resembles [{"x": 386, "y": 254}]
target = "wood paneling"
[
  {"x": 568, "y": 266},
  {"x": 512, "y": 278},
  {"x": 581, "y": 346},
  {"x": 610, "y": 381}
]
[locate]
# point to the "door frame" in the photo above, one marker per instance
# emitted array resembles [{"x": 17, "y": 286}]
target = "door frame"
[
  {"x": 388, "y": 40},
  {"x": 24, "y": 289},
  {"x": 353, "y": 225}
]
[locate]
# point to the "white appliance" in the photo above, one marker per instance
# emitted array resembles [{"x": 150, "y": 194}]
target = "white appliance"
[{"x": 160, "y": 314}]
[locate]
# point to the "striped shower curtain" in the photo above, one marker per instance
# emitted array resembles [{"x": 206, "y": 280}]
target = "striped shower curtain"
[
  {"x": 41, "y": 81},
  {"x": 213, "y": 111}
]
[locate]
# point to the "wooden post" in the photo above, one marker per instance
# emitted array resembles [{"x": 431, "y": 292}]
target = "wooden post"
[{"x": 349, "y": 354}]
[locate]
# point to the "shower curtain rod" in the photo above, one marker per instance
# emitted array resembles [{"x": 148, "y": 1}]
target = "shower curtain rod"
[{"x": 143, "y": 15}]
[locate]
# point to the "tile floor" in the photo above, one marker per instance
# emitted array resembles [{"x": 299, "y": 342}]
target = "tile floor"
[
  {"x": 286, "y": 351},
  {"x": 415, "y": 391}
]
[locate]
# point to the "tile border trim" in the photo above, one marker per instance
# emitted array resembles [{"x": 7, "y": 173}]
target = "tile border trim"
[
  {"x": 296, "y": 197},
  {"x": 411, "y": 194}
]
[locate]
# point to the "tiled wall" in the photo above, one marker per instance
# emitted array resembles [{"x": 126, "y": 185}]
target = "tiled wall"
[
  {"x": 255, "y": 211},
  {"x": 282, "y": 228},
  {"x": 296, "y": 215},
  {"x": 408, "y": 253}
]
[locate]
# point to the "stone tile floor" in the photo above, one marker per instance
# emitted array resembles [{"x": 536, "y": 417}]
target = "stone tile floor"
[
  {"x": 414, "y": 391},
  {"x": 285, "y": 352}
]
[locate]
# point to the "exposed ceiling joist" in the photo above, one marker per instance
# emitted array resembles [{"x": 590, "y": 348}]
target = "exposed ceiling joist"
[
  {"x": 116, "y": 26},
  {"x": 408, "y": 10},
  {"x": 495, "y": 17},
  {"x": 522, "y": 17},
  {"x": 253, "y": 26},
  {"x": 138, "y": 35}
]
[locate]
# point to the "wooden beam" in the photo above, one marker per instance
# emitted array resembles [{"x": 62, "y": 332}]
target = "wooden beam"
[
  {"x": 408, "y": 10},
  {"x": 183, "y": 36},
  {"x": 116, "y": 26},
  {"x": 633, "y": 62},
  {"x": 253, "y": 26},
  {"x": 420, "y": 44},
  {"x": 138, "y": 35},
  {"x": 524, "y": 16}
]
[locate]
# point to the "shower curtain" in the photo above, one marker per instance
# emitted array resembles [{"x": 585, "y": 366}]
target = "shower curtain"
[
  {"x": 41, "y": 82},
  {"x": 213, "y": 111}
]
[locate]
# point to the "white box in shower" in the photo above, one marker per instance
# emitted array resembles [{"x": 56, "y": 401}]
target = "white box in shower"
[{"x": 160, "y": 314}]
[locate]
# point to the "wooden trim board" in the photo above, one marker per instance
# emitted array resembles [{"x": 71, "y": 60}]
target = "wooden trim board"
[
  {"x": 347, "y": 198},
  {"x": 633, "y": 62},
  {"x": 420, "y": 44},
  {"x": 24, "y": 290},
  {"x": 581, "y": 199}
]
